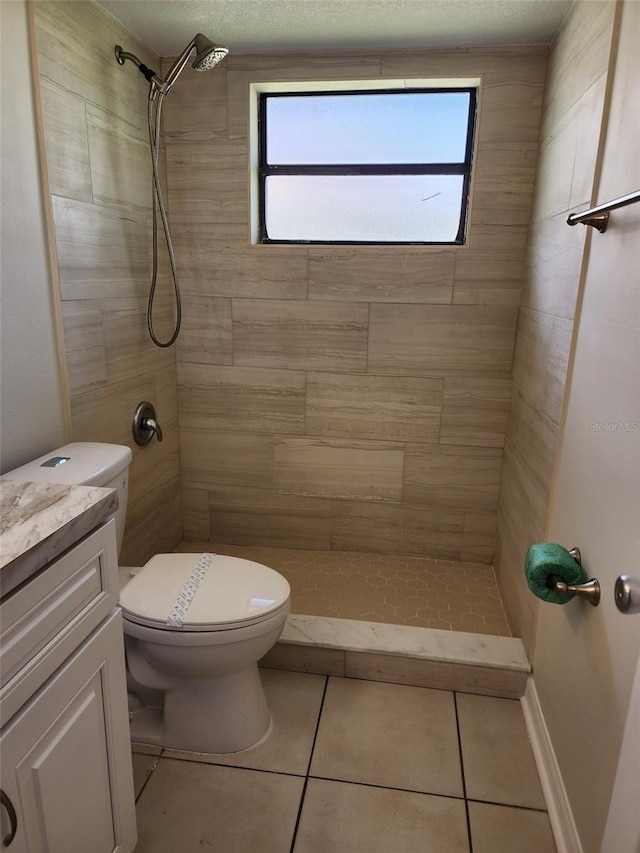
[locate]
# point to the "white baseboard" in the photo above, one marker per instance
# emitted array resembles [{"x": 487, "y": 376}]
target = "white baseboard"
[{"x": 563, "y": 825}]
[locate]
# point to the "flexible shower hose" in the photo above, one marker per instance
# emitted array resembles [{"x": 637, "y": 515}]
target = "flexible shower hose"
[{"x": 158, "y": 204}]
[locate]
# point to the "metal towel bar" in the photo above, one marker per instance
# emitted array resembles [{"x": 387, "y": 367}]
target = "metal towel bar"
[{"x": 598, "y": 217}]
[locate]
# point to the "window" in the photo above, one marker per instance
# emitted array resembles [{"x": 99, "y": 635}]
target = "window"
[{"x": 389, "y": 166}]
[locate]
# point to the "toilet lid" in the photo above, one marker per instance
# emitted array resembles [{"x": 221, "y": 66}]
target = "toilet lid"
[{"x": 200, "y": 592}]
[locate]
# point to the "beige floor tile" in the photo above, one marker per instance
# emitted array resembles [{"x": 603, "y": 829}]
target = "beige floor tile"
[
  {"x": 498, "y": 762},
  {"x": 294, "y": 699},
  {"x": 500, "y": 829},
  {"x": 389, "y": 734},
  {"x": 337, "y": 816},
  {"x": 189, "y": 808},
  {"x": 142, "y": 768},
  {"x": 388, "y": 588}
]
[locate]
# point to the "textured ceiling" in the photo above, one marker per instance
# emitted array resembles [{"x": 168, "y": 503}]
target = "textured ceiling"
[{"x": 290, "y": 25}]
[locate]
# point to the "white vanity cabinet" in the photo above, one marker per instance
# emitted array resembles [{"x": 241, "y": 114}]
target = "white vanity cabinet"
[{"x": 66, "y": 780}]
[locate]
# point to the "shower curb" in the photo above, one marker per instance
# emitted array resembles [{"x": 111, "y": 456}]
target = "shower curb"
[{"x": 421, "y": 657}]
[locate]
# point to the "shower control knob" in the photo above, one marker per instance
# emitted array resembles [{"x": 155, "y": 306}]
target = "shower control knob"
[
  {"x": 627, "y": 594},
  {"x": 145, "y": 425}
]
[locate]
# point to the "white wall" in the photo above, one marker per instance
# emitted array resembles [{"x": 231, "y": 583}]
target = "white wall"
[
  {"x": 585, "y": 658},
  {"x": 32, "y": 413}
]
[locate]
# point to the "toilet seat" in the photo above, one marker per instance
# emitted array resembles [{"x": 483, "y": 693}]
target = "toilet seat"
[{"x": 203, "y": 593}]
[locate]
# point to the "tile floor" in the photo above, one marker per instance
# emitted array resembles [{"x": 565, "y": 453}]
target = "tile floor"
[
  {"x": 353, "y": 766},
  {"x": 401, "y": 590}
]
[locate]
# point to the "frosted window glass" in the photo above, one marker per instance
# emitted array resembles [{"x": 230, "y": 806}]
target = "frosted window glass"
[
  {"x": 376, "y": 128},
  {"x": 377, "y": 208}
]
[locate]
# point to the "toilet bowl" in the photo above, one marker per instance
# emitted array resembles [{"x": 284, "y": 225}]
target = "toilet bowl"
[{"x": 195, "y": 625}]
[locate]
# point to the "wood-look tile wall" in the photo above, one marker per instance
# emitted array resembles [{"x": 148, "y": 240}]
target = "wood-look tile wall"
[
  {"x": 567, "y": 165},
  {"x": 340, "y": 396},
  {"x": 95, "y": 120}
]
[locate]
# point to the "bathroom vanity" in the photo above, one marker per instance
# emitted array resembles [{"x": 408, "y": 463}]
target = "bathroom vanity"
[{"x": 67, "y": 784}]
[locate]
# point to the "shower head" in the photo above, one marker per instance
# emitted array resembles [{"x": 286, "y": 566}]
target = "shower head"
[{"x": 208, "y": 55}]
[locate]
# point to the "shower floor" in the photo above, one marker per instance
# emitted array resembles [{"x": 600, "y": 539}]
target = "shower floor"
[{"x": 400, "y": 590}]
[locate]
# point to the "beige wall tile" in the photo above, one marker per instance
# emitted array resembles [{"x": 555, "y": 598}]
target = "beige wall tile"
[
  {"x": 487, "y": 279},
  {"x": 89, "y": 69},
  {"x": 462, "y": 478},
  {"x": 475, "y": 411},
  {"x": 206, "y": 330},
  {"x": 96, "y": 141},
  {"x": 195, "y": 514},
  {"x": 479, "y": 536},
  {"x": 552, "y": 270},
  {"x": 590, "y": 111},
  {"x": 303, "y": 335},
  {"x": 153, "y": 489},
  {"x": 580, "y": 54},
  {"x": 532, "y": 447},
  {"x": 158, "y": 532},
  {"x": 305, "y": 659},
  {"x": 84, "y": 344},
  {"x": 397, "y": 529},
  {"x": 251, "y": 517},
  {"x": 540, "y": 361},
  {"x": 65, "y": 127},
  {"x": 207, "y": 182},
  {"x": 211, "y": 460},
  {"x": 153, "y": 512},
  {"x": 570, "y": 134},
  {"x": 420, "y": 672},
  {"x": 197, "y": 108},
  {"x": 214, "y": 266},
  {"x": 105, "y": 414},
  {"x": 102, "y": 252},
  {"x": 441, "y": 340},
  {"x": 508, "y": 242},
  {"x": 125, "y": 179},
  {"x": 361, "y": 274},
  {"x": 339, "y": 469},
  {"x": 129, "y": 350},
  {"x": 373, "y": 407},
  {"x": 241, "y": 398},
  {"x": 521, "y": 64}
]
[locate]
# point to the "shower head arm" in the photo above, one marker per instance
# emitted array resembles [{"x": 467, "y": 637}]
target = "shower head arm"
[{"x": 148, "y": 73}]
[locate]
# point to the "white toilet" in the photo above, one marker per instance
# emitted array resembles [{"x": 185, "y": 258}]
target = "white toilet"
[{"x": 195, "y": 625}]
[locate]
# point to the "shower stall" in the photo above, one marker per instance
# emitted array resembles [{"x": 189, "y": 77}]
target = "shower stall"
[{"x": 337, "y": 411}]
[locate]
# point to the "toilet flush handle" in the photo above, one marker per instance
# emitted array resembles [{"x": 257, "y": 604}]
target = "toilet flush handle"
[{"x": 145, "y": 425}]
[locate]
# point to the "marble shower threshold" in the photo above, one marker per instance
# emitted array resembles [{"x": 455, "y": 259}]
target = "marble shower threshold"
[{"x": 401, "y": 654}]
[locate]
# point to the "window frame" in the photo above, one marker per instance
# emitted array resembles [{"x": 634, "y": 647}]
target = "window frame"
[{"x": 264, "y": 170}]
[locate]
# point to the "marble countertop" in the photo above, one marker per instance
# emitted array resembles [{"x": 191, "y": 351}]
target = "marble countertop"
[{"x": 38, "y": 521}]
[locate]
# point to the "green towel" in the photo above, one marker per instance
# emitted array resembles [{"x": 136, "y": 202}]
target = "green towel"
[{"x": 544, "y": 559}]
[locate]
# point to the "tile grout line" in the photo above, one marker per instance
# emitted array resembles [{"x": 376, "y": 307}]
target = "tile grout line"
[
  {"x": 381, "y": 787},
  {"x": 149, "y": 774},
  {"x": 464, "y": 781},
  {"x": 306, "y": 778}
]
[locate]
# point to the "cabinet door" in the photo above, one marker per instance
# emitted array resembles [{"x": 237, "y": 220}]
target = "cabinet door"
[{"x": 66, "y": 759}]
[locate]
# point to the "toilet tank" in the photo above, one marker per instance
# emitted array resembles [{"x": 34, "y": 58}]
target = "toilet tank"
[{"x": 84, "y": 463}]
